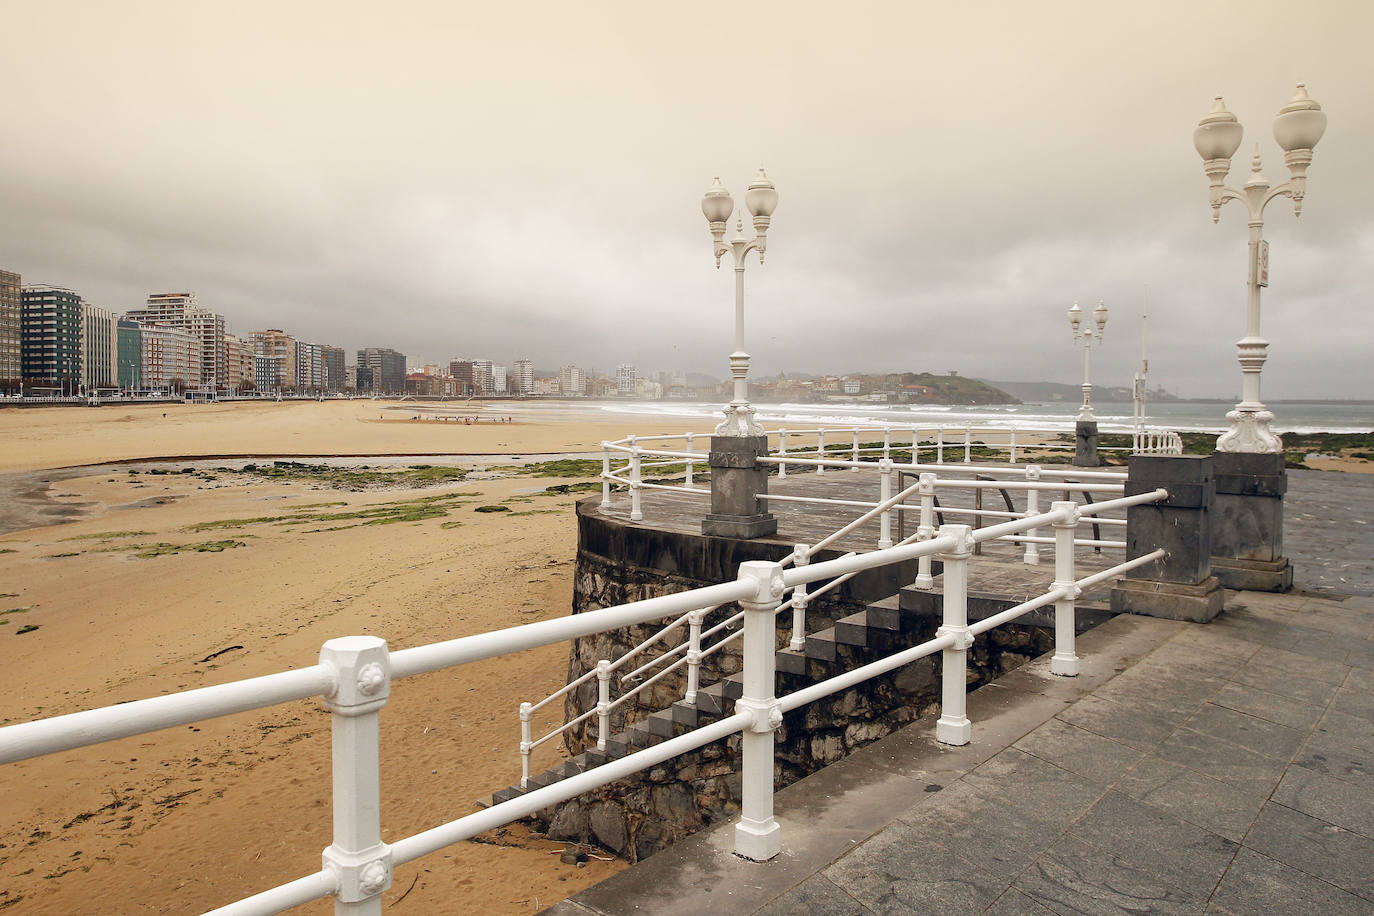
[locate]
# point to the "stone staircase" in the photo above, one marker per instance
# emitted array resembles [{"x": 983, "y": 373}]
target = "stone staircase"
[{"x": 882, "y": 628}]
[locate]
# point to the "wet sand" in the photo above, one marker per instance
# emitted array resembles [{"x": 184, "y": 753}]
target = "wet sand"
[{"x": 191, "y": 818}]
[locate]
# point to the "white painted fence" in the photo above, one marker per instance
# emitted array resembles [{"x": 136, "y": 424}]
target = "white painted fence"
[{"x": 354, "y": 674}]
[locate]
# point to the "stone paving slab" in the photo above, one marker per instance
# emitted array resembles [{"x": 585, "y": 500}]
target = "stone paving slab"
[{"x": 1217, "y": 768}]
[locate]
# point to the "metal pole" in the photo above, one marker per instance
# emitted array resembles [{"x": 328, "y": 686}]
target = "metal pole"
[
  {"x": 801, "y": 556},
  {"x": 884, "y": 494},
  {"x": 605, "y": 475},
  {"x": 526, "y": 743},
  {"x": 820, "y": 451},
  {"x": 855, "y": 457},
  {"x": 1064, "y": 662},
  {"x": 360, "y": 861},
  {"x": 690, "y": 463},
  {"x": 757, "y": 835},
  {"x": 782, "y": 454},
  {"x": 926, "y": 529},
  {"x": 694, "y": 620},
  {"x": 1032, "y": 555},
  {"x": 603, "y": 703},
  {"x": 635, "y": 513},
  {"x": 953, "y": 726}
]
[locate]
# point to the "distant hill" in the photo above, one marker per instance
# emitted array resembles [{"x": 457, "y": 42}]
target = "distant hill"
[
  {"x": 1039, "y": 392},
  {"x": 946, "y": 389}
]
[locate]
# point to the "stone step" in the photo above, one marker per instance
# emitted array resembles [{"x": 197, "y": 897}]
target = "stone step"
[{"x": 821, "y": 645}]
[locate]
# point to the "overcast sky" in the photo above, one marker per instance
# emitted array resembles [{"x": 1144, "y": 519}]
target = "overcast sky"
[{"x": 503, "y": 180}]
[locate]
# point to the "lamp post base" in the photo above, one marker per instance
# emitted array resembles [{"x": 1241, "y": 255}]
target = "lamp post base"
[
  {"x": 1250, "y": 432},
  {"x": 1085, "y": 444},
  {"x": 737, "y": 481},
  {"x": 1247, "y": 539}
]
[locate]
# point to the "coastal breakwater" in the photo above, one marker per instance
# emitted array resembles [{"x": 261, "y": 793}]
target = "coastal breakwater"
[{"x": 865, "y": 619}]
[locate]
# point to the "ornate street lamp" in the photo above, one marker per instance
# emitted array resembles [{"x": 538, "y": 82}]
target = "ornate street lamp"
[
  {"x": 739, "y": 484},
  {"x": 762, "y": 200},
  {"x": 1085, "y": 413},
  {"x": 1297, "y": 129}
]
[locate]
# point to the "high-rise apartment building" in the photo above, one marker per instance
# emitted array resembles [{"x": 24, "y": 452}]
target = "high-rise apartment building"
[
  {"x": 524, "y": 376},
  {"x": 310, "y": 367},
  {"x": 240, "y": 363},
  {"x": 481, "y": 376},
  {"x": 335, "y": 370},
  {"x": 625, "y": 376},
  {"x": 171, "y": 358},
  {"x": 463, "y": 376},
  {"x": 128, "y": 354},
  {"x": 499, "y": 380},
  {"x": 279, "y": 369},
  {"x": 98, "y": 342},
  {"x": 572, "y": 381},
  {"x": 50, "y": 337},
  {"x": 181, "y": 310},
  {"x": 11, "y": 336},
  {"x": 388, "y": 369}
]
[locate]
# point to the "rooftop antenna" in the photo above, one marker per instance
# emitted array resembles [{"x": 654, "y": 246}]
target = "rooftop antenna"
[{"x": 1139, "y": 393}]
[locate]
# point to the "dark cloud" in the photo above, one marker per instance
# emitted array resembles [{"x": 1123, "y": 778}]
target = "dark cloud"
[{"x": 508, "y": 182}]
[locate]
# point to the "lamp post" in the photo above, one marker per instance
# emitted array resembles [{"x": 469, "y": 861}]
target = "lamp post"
[
  {"x": 1297, "y": 128},
  {"x": 1087, "y": 336},
  {"x": 737, "y": 479},
  {"x": 762, "y": 200},
  {"x": 1085, "y": 429}
]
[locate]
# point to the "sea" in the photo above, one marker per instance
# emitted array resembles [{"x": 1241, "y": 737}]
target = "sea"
[{"x": 1180, "y": 416}]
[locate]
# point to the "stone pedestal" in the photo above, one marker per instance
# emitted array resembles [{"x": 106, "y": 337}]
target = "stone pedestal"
[
  {"x": 1247, "y": 535},
  {"x": 1085, "y": 444},
  {"x": 737, "y": 480},
  {"x": 1179, "y": 586}
]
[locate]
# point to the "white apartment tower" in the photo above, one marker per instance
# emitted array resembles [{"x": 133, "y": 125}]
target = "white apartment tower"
[
  {"x": 625, "y": 376},
  {"x": 98, "y": 342},
  {"x": 524, "y": 376},
  {"x": 572, "y": 381},
  {"x": 182, "y": 311}
]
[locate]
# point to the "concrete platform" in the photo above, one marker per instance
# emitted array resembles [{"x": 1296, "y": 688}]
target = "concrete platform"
[{"x": 1218, "y": 768}]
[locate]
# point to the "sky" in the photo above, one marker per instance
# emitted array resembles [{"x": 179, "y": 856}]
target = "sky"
[{"x": 507, "y": 180}]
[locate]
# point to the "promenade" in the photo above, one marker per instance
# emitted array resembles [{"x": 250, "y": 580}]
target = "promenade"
[{"x": 1218, "y": 768}]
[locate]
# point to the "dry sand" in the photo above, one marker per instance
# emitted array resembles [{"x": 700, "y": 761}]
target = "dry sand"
[{"x": 191, "y": 818}]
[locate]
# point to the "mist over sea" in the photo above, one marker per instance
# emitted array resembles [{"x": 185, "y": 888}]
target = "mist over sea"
[{"x": 1182, "y": 416}]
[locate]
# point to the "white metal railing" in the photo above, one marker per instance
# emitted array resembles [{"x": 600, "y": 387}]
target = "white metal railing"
[
  {"x": 354, "y": 676},
  {"x": 693, "y": 651}
]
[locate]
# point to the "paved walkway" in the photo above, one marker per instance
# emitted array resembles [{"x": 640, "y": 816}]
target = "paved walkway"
[{"x": 1220, "y": 768}]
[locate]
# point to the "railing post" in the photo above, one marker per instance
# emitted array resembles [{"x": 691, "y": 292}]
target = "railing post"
[
  {"x": 1032, "y": 554},
  {"x": 690, "y": 464},
  {"x": 801, "y": 556},
  {"x": 820, "y": 450},
  {"x": 605, "y": 475},
  {"x": 526, "y": 742},
  {"x": 940, "y": 445},
  {"x": 884, "y": 494},
  {"x": 1064, "y": 662},
  {"x": 782, "y": 454},
  {"x": 635, "y": 513},
  {"x": 915, "y": 445},
  {"x": 603, "y": 703},
  {"x": 1013, "y": 445},
  {"x": 757, "y": 835},
  {"x": 968, "y": 445},
  {"x": 887, "y": 443},
  {"x": 855, "y": 453},
  {"x": 953, "y": 725},
  {"x": 926, "y": 529},
  {"x": 694, "y": 620},
  {"x": 359, "y": 860}
]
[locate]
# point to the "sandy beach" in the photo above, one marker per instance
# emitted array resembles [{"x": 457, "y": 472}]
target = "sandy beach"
[
  {"x": 130, "y": 581},
  {"x": 164, "y": 581}
]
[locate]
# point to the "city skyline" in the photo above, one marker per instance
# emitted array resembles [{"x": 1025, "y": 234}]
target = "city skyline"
[{"x": 946, "y": 186}]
